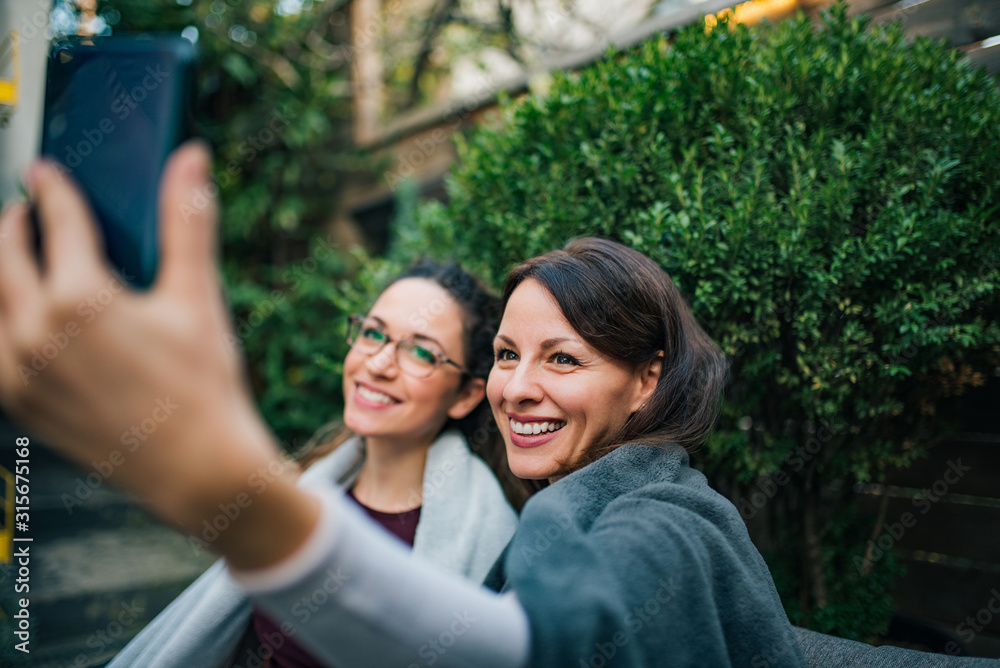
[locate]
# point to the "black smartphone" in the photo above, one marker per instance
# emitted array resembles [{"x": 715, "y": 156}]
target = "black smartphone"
[{"x": 115, "y": 107}]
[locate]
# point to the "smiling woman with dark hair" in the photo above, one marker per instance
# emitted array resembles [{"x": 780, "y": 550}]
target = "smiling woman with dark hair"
[
  {"x": 602, "y": 375},
  {"x": 621, "y": 304}
]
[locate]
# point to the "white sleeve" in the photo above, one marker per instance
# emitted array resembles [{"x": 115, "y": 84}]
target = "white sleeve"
[{"x": 355, "y": 597}]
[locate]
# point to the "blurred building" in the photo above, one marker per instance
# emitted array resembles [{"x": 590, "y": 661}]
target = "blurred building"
[{"x": 23, "y": 45}]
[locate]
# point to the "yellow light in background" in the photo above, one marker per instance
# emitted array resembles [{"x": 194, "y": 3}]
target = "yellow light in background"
[
  {"x": 751, "y": 12},
  {"x": 8, "y": 87},
  {"x": 7, "y": 511}
]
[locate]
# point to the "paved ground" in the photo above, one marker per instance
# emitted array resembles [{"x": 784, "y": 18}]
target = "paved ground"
[{"x": 101, "y": 567}]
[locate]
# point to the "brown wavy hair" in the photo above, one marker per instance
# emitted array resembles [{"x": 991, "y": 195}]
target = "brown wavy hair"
[{"x": 627, "y": 307}]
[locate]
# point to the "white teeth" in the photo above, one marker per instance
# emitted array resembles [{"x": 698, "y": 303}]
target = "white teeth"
[
  {"x": 372, "y": 395},
  {"x": 532, "y": 428}
]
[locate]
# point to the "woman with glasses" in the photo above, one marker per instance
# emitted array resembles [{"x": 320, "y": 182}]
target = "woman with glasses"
[{"x": 414, "y": 387}]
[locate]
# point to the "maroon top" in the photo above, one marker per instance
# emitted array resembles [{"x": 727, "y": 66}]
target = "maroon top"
[{"x": 289, "y": 653}]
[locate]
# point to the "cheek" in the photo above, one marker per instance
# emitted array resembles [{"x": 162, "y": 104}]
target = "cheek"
[
  {"x": 424, "y": 394},
  {"x": 495, "y": 384},
  {"x": 613, "y": 409},
  {"x": 354, "y": 369},
  {"x": 352, "y": 364},
  {"x": 599, "y": 408},
  {"x": 576, "y": 397},
  {"x": 431, "y": 397}
]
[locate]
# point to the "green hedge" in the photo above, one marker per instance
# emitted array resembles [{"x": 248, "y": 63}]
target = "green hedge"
[
  {"x": 824, "y": 196},
  {"x": 287, "y": 324},
  {"x": 273, "y": 98}
]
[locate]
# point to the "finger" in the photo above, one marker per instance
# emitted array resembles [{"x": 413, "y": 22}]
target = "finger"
[
  {"x": 19, "y": 274},
  {"x": 20, "y": 288},
  {"x": 188, "y": 220},
  {"x": 70, "y": 237}
]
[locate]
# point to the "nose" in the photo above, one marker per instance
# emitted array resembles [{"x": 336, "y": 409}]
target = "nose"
[
  {"x": 383, "y": 363},
  {"x": 523, "y": 385}
]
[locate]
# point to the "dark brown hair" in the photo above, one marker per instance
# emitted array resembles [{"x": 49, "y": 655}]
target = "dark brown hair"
[
  {"x": 625, "y": 305},
  {"x": 481, "y": 317}
]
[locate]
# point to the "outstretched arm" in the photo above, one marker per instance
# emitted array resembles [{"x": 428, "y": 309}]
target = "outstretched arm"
[
  {"x": 126, "y": 351},
  {"x": 356, "y": 598}
]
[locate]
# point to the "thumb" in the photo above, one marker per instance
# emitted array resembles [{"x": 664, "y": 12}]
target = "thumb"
[{"x": 188, "y": 223}]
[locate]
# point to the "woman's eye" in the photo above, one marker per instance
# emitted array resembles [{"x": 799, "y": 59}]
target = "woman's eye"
[
  {"x": 373, "y": 334},
  {"x": 424, "y": 355},
  {"x": 505, "y": 355},
  {"x": 563, "y": 358}
]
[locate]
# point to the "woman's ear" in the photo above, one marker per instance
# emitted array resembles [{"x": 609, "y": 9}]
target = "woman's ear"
[
  {"x": 647, "y": 375},
  {"x": 469, "y": 396}
]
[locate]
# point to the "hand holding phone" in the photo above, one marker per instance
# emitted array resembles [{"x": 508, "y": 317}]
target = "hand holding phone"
[
  {"x": 162, "y": 353},
  {"x": 115, "y": 108}
]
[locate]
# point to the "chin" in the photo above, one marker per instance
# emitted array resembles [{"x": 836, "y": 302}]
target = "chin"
[
  {"x": 352, "y": 423},
  {"x": 529, "y": 470}
]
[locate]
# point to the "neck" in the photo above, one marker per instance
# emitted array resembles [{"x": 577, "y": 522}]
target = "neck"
[{"x": 392, "y": 477}]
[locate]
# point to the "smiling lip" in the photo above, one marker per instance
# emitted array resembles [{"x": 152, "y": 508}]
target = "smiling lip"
[
  {"x": 533, "y": 440},
  {"x": 531, "y": 418},
  {"x": 364, "y": 402}
]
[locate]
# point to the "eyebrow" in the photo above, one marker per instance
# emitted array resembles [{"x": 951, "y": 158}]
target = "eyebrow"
[
  {"x": 415, "y": 335},
  {"x": 547, "y": 343}
]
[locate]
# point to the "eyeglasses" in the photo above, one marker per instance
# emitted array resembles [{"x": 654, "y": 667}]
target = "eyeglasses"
[{"x": 368, "y": 337}]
